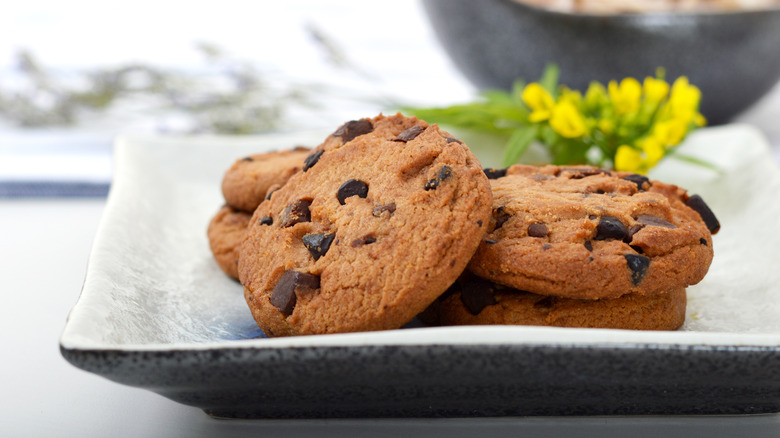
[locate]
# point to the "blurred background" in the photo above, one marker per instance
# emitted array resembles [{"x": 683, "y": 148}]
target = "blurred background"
[{"x": 75, "y": 75}]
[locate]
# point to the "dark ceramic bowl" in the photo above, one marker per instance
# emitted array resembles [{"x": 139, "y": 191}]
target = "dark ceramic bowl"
[{"x": 734, "y": 58}]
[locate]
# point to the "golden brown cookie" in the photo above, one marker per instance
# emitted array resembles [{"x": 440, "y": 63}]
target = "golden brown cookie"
[
  {"x": 384, "y": 218},
  {"x": 250, "y": 179},
  {"x": 588, "y": 233},
  {"x": 226, "y": 231},
  {"x": 475, "y": 301}
]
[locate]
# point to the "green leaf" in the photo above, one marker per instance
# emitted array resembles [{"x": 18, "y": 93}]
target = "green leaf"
[
  {"x": 549, "y": 79},
  {"x": 518, "y": 143},
  {"x": 696, "y": 161}
]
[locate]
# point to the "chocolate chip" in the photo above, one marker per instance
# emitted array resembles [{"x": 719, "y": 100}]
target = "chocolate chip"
[
  {"x": 699, "y": 206},
  {"x": 646, "y": 219},
  {"x": 546, "y": 246},
  {"x": 703, "y": 241},
  {"x": 537, "y": 230},
  {"x": 611, "y": 228},
  {"x": 453, "y": 140},
  {"x": 352, "y": 129},
  {"x": 639, "y": 180},
  {"x": 410, "y": 134},
  {"x": 501, "y": 216},
  {"x": 490, "y": 242},
  {"x": 588, "y": 245},
  {"x": 479, "y": 224},
  {"x": 352, "y": 187},
  {"x": 266, "y": 220},
  {"x": 476, "y": 294},
  {"x": 638, "y": 265},
  {"x": 283, "y": 297},
  {"x": 633, "y": 230},
  {"x": 271, "y": 192},
  {"x": 318, "y": 244},
  {"x": 248, "y": 159},
  {"x": 311, "y": 160},
  {"x": 296, "y": 212},
  {"x": 389, "y": 208},
  {"x": 492, "y": 173},
  {"x": 365, "y": 240},
  {"x": 444, "y": 173}
]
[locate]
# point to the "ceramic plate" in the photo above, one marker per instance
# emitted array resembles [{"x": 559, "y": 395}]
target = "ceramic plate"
[{"x": 156, "y": 312}]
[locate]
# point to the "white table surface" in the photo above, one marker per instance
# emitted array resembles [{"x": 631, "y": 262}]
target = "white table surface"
[{"x": 45, "y": 243}]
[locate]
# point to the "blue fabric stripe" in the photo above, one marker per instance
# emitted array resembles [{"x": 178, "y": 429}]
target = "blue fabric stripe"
[{"x": 53, "y": 189}]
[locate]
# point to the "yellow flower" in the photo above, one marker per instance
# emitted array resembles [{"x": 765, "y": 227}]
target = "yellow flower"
[
  {"x": 684, "y": 98},
  {"x": 573, "y": 96},
  {"x": 606, "y": 126},
  {"x": 627, "y": 159},
  {"x": 653, "y": 150},
  {"x": 655, "y": 89},
  {"x": 539, "y": 100},
  {"x": 625, "y": 97},
  {"x": 670, "y": 132},
  {"x": 567, "y": 121}
]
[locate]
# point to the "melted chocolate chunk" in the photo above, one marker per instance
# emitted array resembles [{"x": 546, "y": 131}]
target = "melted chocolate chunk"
[
  {"x": 352, "y": 187},
  {"x": 588, "y": 245},
  {"x": 639, "y": 180},
  {"x": 283, "y": 297},
  {"x": 453, "y": 140},
  {"x": 537, "y": 230},
  {"x": 501, "y": 216},
  {"x": 311, "y": 160},
  {"x": 699, "y": 206},
  {"x": 410, "y": 134},
  {"x": 378, "y": 210},
  {"x": 703, "y": 241},
  {"x": 646, "y": 219},
  {"x": 365, "y": 240},
  {"x": 352, "y": 129},
  {"x": 476, "y": 294},
  {"x": 611, "y": 228},
  {"x": 266, "y": 220},
  {"x": 638, "y": 265},
  {"x": 296, "y": 213},
  {"x": 492, "y": 173},
  {"x": 444, "y": 173},
  {"x": 318, "y": 244}
]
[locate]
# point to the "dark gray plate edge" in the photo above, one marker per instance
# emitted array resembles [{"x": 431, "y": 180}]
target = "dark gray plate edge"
[{"x": 451, "y": 380}]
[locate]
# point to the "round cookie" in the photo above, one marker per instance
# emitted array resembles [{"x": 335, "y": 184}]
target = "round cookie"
[
  {"x": 249, "y": 180},
  {"x": 226, "y": 231},
  {"x": 476, "y": 301},
  {"x": 589, "y": 233},
  {"x": 375, "y": 229}
]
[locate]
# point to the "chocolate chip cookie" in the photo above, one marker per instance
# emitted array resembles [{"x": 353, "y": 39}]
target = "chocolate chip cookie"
[
  {"x": 476, "y": 301},
  {"x": 383, "y": 217},
  {"x": 226, "y": 231},
  {"x": 250, "y": 179},
  {"x": 589, "y": 233}
]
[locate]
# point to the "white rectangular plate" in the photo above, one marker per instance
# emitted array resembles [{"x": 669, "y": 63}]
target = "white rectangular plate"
[{"x": 157, "y": 312}]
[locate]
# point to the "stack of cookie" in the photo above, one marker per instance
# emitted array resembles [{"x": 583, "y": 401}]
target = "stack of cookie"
[
  {"x": 583, "y": 247},
  {"x": 391, "y": 216}
]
